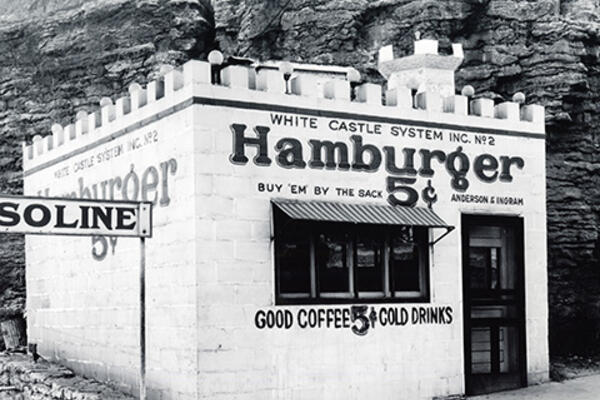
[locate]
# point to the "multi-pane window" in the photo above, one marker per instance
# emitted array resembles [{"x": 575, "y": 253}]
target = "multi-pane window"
[{"x": 323, "y": 262}]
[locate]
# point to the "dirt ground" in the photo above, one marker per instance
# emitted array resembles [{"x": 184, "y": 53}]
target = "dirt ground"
[
  {"x": 573, "y": 378},
  {"x": 570, "y": 367}
]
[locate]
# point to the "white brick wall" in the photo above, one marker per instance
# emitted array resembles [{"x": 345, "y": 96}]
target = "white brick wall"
[
  {"x": 85, "y": 312},
  {"x": 414, "y": 362},
  {"x": 210, "y": 266}
]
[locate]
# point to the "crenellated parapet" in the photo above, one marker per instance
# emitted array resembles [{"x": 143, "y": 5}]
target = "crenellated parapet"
[{"x": 419, "y": 87}]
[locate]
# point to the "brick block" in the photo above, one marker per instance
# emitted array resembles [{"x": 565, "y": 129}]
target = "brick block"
[
  {"x": 214, "y": 293},
  {"x": 215, "y": 251},
  {"x": 196, "y": 72},
  {"x": 253, "y": 209},
  {"x": 231, "y": 186},
  {"x": 254, "y": 293},
  {"x": 235, "y": 272},
  {"x": 203, "y": 184},
  {"x": 206, "y": 272},
  {"x": 235, "y": 76},
  {"x": 261, "y": 230},
  {"x": 270, "y": 80},
  {"x": 214, "y": 206},
  {"x": 232, "y": 229},
  {"x": 252, "y": 251}
]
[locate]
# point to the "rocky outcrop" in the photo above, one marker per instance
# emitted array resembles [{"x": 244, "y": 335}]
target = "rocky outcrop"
[
  {"x": 61, "y": 57},
  {"x": 23, "y": 379},
  {"x": 548, "y": 49}
]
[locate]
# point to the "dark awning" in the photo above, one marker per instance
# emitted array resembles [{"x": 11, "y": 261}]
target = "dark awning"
[{"x": 382, "y": 214}]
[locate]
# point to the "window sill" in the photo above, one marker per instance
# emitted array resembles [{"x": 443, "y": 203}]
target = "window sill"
[{"x": 350, "y": 301}]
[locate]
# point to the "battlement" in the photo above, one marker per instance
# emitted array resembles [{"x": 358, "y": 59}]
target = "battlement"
[{"x": 406, "y": 95}]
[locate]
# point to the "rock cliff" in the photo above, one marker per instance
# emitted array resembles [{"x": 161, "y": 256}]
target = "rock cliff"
[
  {"x": 549, "y": 49},
  {"x": 60, "y": 57}
]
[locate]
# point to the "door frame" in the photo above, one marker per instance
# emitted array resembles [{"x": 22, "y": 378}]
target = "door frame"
[{"x": 517, "y": 223}]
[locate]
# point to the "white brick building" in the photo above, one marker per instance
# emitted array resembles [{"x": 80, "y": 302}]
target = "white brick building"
[{"x": 288, "y": 258}]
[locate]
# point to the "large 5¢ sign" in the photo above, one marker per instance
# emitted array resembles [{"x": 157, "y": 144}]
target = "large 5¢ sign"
[{"x": 56, "y": 216}]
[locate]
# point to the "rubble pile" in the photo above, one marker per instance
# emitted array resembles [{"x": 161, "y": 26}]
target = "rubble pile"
[{"x": 23, "y": 379}]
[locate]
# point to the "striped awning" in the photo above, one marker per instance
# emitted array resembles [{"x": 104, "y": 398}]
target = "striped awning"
[{"x": 382, "y": 214}]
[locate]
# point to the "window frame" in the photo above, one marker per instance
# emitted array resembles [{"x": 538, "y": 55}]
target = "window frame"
[{"x": 353, "y": 296}]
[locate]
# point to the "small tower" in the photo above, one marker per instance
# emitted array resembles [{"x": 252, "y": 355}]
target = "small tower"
[{"x": 424, "y": 71}]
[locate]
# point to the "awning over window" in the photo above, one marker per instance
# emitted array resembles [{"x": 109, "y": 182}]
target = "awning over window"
[{"x": 314, "y": 210}]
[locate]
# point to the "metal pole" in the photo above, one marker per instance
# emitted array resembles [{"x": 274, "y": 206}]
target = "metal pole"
[{"x": 142, "y": 318}]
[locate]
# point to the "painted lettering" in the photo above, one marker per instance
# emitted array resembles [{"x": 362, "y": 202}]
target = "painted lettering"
[
  {"x": 240, "y": 141},
  {"x": 330, "y": 152},
  {"x": 357, "y": 155},
  {"x": 8, "y": 214}
]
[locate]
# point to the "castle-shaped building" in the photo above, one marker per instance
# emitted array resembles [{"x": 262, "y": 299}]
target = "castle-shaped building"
[{"x": 314, "y": 237}]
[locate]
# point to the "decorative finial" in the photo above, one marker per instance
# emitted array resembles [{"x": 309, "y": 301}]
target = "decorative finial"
[
  {"x": 286, "y": 68},
  {"x": 467, "y": 91},
  {"x": 56, "y": 129},
  {"x": 519, "y": 97},
  {"x": 105, "y": 101},
  {"x": 134, "y": 87},
  {"x": 352, "y": 75},
  {"x": 215, "y": 57}
]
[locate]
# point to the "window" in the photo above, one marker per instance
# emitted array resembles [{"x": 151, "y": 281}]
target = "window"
[
  {"x": 337, "y": 262},
  {"x": 484, "y": 267}
]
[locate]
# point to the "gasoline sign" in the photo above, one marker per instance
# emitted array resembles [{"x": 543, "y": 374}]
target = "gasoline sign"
[{"x": 56, "y": 216}]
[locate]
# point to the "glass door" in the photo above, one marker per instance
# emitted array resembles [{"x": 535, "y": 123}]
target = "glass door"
[{"x": 494, "y": 303}]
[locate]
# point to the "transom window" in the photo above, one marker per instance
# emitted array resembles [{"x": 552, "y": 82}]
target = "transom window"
[{"x": 333, "y": 262}]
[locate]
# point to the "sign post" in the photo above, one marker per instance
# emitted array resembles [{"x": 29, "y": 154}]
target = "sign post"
[
  {"x": 82, "y": 217},
  {"x": 142, "y": 318}
]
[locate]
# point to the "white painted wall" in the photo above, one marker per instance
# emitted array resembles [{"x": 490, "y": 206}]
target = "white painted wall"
[
  {"x": 236, "y": 271},
  {"x": 84, "y": 310},
  {"x": 210, "y": 263}
]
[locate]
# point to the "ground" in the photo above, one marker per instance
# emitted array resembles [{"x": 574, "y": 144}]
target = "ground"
[
  {"x": 570, "y": 367},
  {"x": 573, "y": 378},
  {"x": 583, "y": 388}
]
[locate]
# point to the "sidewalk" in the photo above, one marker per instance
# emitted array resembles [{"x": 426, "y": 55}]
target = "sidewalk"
[{"x": 585, "y": 388}]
